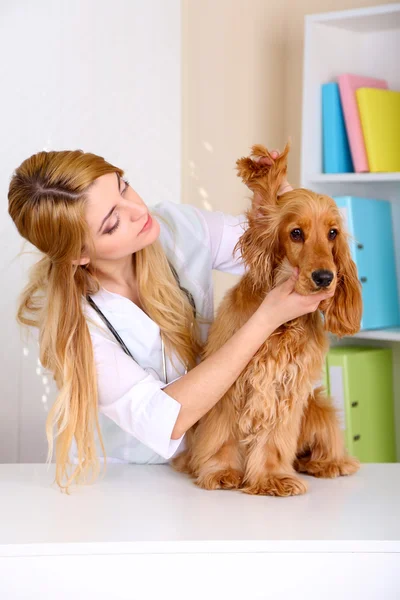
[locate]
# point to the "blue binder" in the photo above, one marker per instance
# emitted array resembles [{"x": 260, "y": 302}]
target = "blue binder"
[
  {"x": 335, "y": 144},
  {"x": 369, "y": 222}
]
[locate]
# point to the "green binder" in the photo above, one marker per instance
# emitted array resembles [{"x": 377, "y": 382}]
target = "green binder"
[{"x": 360, "y": 382}]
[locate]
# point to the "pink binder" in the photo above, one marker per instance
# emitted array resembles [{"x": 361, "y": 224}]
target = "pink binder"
[{"x": 348, "y": 84}]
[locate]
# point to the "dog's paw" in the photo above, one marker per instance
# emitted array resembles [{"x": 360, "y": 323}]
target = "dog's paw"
[
  {"x": 318, "y": 468},
  {"x": 225, "y": 479},
  {"x": 277, "y": 485},
  {"x": 181, "y": 463}
]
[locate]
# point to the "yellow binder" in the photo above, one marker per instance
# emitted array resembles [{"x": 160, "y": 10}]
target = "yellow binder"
[{"x": 380, "y": 120}]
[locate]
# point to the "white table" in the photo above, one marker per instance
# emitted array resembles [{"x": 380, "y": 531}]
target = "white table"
[{"x": 148, "y": 532}]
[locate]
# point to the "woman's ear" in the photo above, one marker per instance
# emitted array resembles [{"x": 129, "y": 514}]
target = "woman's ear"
[
  {"x": 344, "y": 310},
  {"x": 85, "y": 256},
  {"x": 84, "y": 260}
]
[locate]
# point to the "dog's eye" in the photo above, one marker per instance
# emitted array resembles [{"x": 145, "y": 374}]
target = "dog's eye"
[
  {"x": 332, "y": 234},
  {"x": 297, "y": 235}
]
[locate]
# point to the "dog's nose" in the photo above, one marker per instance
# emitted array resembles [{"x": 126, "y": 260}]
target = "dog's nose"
[{"x": 322, "y": 277}]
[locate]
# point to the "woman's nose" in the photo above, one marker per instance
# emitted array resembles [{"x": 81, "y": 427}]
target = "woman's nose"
[{"x": 136, "y": 211}]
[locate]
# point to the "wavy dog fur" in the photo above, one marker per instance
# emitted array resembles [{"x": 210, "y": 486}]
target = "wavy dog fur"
[{"x": 272, "y": 421}]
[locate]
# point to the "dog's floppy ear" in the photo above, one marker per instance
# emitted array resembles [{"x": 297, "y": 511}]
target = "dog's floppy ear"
[
  {"x": 344, "y": 310},
  {"x": 264, "y": 180}
]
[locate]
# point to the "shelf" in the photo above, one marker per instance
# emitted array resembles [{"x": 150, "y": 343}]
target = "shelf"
[
  {"x": 354, "y": 177},
  {"x": 361, "y": 20},
  {"x": 389, "y": 335},
  {"x": 336, "y": 43}
]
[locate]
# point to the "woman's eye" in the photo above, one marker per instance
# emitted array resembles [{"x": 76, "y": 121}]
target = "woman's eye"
[
  {"x": 297, "y": 235},
  {"x": 332, "y": 234},
  {"x": 115, "y": 227}
]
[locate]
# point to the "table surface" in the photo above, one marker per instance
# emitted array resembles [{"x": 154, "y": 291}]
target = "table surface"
[{"x": 147, "y": 509}]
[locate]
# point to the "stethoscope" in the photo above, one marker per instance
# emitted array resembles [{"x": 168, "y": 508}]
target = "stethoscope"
[{"x": 120, "y": 340}]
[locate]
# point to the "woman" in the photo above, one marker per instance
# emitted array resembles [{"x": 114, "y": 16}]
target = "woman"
[{"x": 123, "y": 300}]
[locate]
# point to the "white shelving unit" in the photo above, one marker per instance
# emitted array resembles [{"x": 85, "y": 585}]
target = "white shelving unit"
[
  {"x": 355, "y": 177},
  {"x": 390, "y": 335},
  {"x": 365, "y": 42}
]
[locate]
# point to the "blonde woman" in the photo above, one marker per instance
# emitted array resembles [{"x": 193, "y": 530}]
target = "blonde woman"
[{"x": 123, "y": 298}]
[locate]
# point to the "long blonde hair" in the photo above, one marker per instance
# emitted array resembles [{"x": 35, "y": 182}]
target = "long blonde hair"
[{"x": 47, "y": 197}]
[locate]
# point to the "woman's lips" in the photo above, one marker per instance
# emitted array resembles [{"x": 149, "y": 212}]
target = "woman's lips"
[{"x": 148, "y": 224}]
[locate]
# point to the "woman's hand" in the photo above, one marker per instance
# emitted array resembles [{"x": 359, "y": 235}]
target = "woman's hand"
[{"x": 283, "y": 304}]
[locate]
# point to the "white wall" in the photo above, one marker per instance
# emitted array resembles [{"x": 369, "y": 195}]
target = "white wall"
[{"x": 96, "y": 75}]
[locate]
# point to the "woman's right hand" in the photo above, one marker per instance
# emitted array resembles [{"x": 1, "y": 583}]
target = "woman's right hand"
[{"x": 283, "y": 304}]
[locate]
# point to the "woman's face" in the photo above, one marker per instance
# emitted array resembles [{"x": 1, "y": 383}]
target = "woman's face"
[{"x": 116, "y": 215}]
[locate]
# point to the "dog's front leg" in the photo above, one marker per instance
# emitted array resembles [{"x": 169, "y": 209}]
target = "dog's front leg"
[
  {"x": 269, "y": 466},
  {"x": 321, "y": 450},
  {"x": 223, "y": 470},
  {"x": 216, "y": 457}
]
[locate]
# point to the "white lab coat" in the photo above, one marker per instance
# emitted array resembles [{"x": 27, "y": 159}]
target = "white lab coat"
[{"x": 136, "y": 416}]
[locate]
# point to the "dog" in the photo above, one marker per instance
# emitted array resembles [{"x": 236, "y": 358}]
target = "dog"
[{"x": 273, "y": 422}]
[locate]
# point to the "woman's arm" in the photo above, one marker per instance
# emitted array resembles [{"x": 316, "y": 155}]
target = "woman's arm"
[
  {"x": 222, "y": 232},
  {"x": 133, "y": 398},
  {"x": 199, "y": 390},
  {"x": 203, "y": 386}
]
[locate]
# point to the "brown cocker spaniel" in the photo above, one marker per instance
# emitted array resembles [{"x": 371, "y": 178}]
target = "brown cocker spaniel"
[{"x": 273, "y": 421}]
